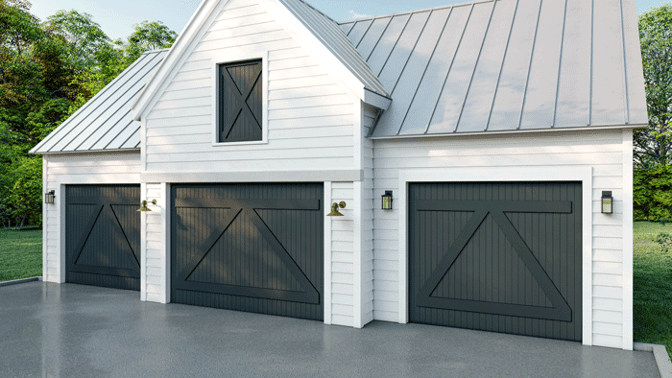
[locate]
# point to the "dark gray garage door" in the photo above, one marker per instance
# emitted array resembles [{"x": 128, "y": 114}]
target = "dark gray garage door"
[
  {"x": 103, "y": 235},
  {"x": 502, "y": 257},
  {"x": 254, "y": 248}
]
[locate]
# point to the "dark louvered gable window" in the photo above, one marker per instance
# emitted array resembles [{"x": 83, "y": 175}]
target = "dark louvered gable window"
[{"x": 240, "y": 102}]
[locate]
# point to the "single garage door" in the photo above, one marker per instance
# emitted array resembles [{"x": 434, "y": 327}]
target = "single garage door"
[
  {"x": 254, "y": 248},
  {"x": 501, "y": 257},
  {"x": 102, "y": 228}
]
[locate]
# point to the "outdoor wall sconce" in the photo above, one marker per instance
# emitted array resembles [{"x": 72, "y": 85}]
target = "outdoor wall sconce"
[
  {"x": 144, "y": 206},
  {"x": 607, "y": 203},
  {"x": 387, "y": 200},
  {"x": 334, "y": 209},
  {"x": 50, "y": 198}
]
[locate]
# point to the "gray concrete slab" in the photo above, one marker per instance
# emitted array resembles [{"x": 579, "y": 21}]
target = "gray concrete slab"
[{"x": 79, "y": 331}]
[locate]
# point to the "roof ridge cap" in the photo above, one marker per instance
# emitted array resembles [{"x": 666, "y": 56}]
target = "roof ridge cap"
[
  {"x": 466, "y": 3},
  {"x": 320, "y": 12}
]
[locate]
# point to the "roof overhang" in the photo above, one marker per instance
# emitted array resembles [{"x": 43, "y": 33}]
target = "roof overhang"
[{"x": 508, "y": 132}]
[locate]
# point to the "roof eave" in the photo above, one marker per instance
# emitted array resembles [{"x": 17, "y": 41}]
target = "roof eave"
[
  {"x": 376, "y": 100},
  {"x": 507, "y": 132},
  {"x": 85, "y": 152}
]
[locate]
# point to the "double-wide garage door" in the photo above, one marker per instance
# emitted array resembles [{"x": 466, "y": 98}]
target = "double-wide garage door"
[
  {"x": 102, "y": 235},
  {"x": 254, "y": 248},
  {"x": 502, "y": 257}
]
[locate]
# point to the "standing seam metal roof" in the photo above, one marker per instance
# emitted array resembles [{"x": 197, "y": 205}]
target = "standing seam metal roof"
[
  {"x": 506, "y": 65},
  {"x": 105, "y": 122}
]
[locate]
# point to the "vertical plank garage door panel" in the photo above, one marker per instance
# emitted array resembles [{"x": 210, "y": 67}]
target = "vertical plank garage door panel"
[
  {"x": 103, "y": 235},
  {"x": 245, "y": 247},
  {"x": 502, "y": 257}
]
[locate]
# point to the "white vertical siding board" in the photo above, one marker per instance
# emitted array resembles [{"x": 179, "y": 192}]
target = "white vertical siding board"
[
  {"x": 628, "y": 322},
  {"x": 406, "y": 88},
  {"x": 387, "y": 43},
  {"x": 46, "y": 229},
  {"x": 143, "y": 248},
  {"x": 449, "y": 107},
  {"x": 358, "y": 267},
  {"x": 573, "y": 104},
  {"x": 608, "y": 65},
  {"x": 633, "y": 65},
  {"x": 481, "y": 95},
  {"x": 541, "y": 92}
]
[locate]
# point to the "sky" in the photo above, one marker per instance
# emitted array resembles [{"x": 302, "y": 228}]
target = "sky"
[{"x": 117, "y": 17}]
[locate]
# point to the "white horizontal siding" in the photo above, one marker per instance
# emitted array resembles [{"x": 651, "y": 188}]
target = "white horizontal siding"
[
  {"x": 84, "y": 168},
  {"x": 342, "y": 257},
  {"x": 603, "y": 151},
  {"x": 369, "y": 202},
  {"x": 310, "y": 115},
  {"x": 154, "y": 247}
]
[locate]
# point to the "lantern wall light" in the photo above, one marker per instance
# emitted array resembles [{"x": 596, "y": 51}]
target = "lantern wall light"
[
  {"x": 607, "y": 203},
  {"x": 50, "y": 198},
  {"x": 387, "y": 200}
]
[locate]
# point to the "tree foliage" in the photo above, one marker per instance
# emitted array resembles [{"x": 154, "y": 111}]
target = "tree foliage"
[
  {"x": 81, "y": 33},
  {"x": 653, "y": 145},
  {"x": 48, "y": 71},
  {"x": 653, "y": 193},
  {"x": 149, "y": 36}
]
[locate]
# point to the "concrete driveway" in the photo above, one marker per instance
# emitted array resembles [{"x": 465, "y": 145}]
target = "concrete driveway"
[{"x": 49, "y": 330}]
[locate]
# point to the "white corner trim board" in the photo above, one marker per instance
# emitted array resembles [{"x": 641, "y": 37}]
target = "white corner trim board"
[{"x": 550, "y": 173}]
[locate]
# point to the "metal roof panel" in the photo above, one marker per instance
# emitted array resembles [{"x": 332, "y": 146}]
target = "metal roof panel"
[
  {"x": 101, "y": 123},
  {"x": 517, "y": 65}
]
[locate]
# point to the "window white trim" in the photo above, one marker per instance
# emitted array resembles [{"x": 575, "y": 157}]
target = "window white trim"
[
  {"x": 498, "y": 174},
  {"x": 240, "y": 56}
]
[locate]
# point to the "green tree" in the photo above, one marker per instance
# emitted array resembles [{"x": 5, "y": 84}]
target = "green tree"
[
  {"x": 35, "y": 95},
  {"x": 84, "y": 36},
  {"x": 653, "y": 145},
  {"x": 149, "y": 36},
  {"x": 47, "y": 72}
]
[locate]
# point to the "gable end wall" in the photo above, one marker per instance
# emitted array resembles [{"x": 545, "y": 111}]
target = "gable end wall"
[{"x": 310, "y": 115}]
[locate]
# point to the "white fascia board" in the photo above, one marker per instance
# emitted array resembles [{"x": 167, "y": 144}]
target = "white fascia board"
[
  {"x": 174, "y": 56},
  {"x": 312, "y": 44},
  {"x": 376, "y": 100}
]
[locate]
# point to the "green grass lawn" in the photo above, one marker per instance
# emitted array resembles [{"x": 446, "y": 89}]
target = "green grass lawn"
[
  {"x": 20, "y": 254},
  {"x": 652, "y": 286}
]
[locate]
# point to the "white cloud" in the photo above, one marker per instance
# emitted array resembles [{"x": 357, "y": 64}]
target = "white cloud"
[{"x": 354, "y": 15}]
